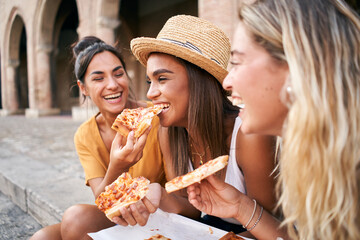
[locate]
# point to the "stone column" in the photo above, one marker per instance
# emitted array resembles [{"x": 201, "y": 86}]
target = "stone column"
[
  {"x": 43, "y": 81},
  {"x": 10, "y": 101},
  {"x": 222, "y": 13},
  {"x": 106, "y": 31},
  {"x": 106, "y": 28},
  {"x": 43, "y": 94}
]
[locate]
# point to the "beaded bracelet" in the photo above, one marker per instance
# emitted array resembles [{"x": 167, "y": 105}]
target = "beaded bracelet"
[
  {"x": 257, "y": 221},
  {"x": 252, "y": 215}
]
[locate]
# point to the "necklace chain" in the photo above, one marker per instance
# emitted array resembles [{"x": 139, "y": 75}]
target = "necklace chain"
[{"x": 201, "y": 156}]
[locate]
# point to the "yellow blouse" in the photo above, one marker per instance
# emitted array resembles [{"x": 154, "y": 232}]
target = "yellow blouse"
[{"x": 95, "y": 158}]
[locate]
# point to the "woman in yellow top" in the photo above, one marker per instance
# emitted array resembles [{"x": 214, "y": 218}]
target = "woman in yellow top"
[{"x": 102, "y": 76}]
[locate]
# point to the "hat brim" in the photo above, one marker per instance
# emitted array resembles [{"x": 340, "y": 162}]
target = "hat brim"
[{"x": 143, "y": 46}]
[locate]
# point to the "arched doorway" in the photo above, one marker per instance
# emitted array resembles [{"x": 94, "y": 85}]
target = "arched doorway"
[
  {"x": 145, "y": 18},
  {"x": 58, "y": 21},
  {"x": 16, "y": 70},
  {"x": 66, "y": 93},
  {"x": 22, "y": 79}
]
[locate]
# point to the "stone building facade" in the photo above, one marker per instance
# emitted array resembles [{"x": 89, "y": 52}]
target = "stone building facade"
[{"x": 35, "y": 45}]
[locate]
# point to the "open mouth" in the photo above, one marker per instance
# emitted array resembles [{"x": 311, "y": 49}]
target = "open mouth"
[
  {"x": 238, "y": 102},
  {"x": 112, "y": 96},
  {"x": 162, "y": 106},
  {"x": 165, "y": 106}
]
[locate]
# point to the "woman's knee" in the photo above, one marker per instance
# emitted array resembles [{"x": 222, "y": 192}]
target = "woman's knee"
[
  {"x": 75, "y": 213},
  {"x": 81, "y": 219},
  {"x": 73, "y": 221},
  {"x": 49, "y": 232}
]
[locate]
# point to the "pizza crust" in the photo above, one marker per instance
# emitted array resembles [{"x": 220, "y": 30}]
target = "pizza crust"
[
  {"x": 230, "y": 236},
  {"x": 117, "y": 126},
  {"x": 124, "y": 191},
  {"x": 137, "y": 120},
  {"x": 158, "y": 237},
  {"x": 197, "y": 175},
  {"x": 114, "y": 211},
  {"x": 144, "y": 125}
]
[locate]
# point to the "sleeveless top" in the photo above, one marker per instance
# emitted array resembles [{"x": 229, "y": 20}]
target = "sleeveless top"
[{"x": 233, "y": 176}]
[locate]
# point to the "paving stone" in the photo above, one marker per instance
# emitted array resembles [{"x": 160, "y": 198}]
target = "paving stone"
[
  {"x": 40, "y": 172},
  {"x": 14, "y": 222}
]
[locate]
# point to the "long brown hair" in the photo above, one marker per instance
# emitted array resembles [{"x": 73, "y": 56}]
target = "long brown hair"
[{"x": 209, "y": 106}]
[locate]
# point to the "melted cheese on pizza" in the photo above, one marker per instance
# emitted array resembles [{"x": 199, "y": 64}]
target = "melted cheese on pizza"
[
  {"x": 132, "y": 117},
  {"x": 122, "y": 191},
  {"x": 137, "y": 120}
]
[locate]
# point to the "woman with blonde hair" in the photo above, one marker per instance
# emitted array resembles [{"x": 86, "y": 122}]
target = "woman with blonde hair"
[{"x": 296, "y": 67}]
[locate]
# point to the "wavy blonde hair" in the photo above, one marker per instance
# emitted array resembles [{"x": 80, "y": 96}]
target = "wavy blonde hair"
[{"x": 319, "y": 165}]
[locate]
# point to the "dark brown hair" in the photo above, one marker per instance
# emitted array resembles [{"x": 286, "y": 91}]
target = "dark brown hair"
[
  {"x": 209, "y": 106},
  {"x": 85, "y": 50}
]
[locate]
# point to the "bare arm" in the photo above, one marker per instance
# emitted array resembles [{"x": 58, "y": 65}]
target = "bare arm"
[
  {"x": 157, "y": 197},
  {"x": 218, "y": 198},
  {"x": 122, "y": 157},
  {"x": 255, "y": 155}
]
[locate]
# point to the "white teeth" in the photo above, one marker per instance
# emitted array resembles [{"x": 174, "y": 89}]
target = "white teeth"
[
  {"x": 163, "y": 105},
  {"x": 160, "y": 107},
  {"x": 116, "y": 95},
  {"x": 238, "y": 102}
]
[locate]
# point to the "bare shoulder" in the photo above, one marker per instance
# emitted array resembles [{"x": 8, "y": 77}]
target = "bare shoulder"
[
  {"x": 255, "y": 155},
  {"x": 256, "y": 147}
]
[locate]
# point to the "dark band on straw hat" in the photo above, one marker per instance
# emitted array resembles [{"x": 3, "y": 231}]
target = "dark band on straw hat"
[{"x": 187, "y": 45}]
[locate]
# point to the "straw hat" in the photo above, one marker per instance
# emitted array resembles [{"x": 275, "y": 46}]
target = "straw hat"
[{"x": 191, "y": 38}]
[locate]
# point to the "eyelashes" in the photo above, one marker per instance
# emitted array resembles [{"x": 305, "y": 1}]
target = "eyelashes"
[{"x": 159, "y": 79}]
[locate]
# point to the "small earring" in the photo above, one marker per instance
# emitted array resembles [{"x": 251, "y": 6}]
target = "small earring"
[{"x": 288, "y": 89}]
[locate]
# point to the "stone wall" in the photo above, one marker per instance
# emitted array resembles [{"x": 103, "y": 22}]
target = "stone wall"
[{"x": 35, "y": 38}]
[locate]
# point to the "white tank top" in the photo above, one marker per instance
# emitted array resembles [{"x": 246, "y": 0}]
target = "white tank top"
[{"x": 233, "y": 175}]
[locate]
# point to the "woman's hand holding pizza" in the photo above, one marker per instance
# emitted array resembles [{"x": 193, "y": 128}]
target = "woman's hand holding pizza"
[
  {"x": 139, "y": 212},
  {"x": 125, "y": 152},
  {"x": 215, "y": 197}
]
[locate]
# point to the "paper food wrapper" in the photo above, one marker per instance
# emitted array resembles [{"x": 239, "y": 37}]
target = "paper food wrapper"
[{"x": 169, "y": 225}]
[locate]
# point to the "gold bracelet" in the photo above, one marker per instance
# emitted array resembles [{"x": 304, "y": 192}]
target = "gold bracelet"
[
  {"x": 257, "y": 221},
  {"x": 252, "y": 215}
]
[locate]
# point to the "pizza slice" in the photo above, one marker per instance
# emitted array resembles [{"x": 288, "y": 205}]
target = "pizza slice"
[
  {"x": 137, "y": 120},
  {"x": 158, "y": 237},
  {"x": 197, "y": 175},
  {"x": 230, "y": 236},
  {"x": 124, "y": 191}
]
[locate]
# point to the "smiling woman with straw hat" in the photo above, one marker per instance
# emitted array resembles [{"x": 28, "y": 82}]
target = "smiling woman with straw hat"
[{"x": 186, "y": 65}]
